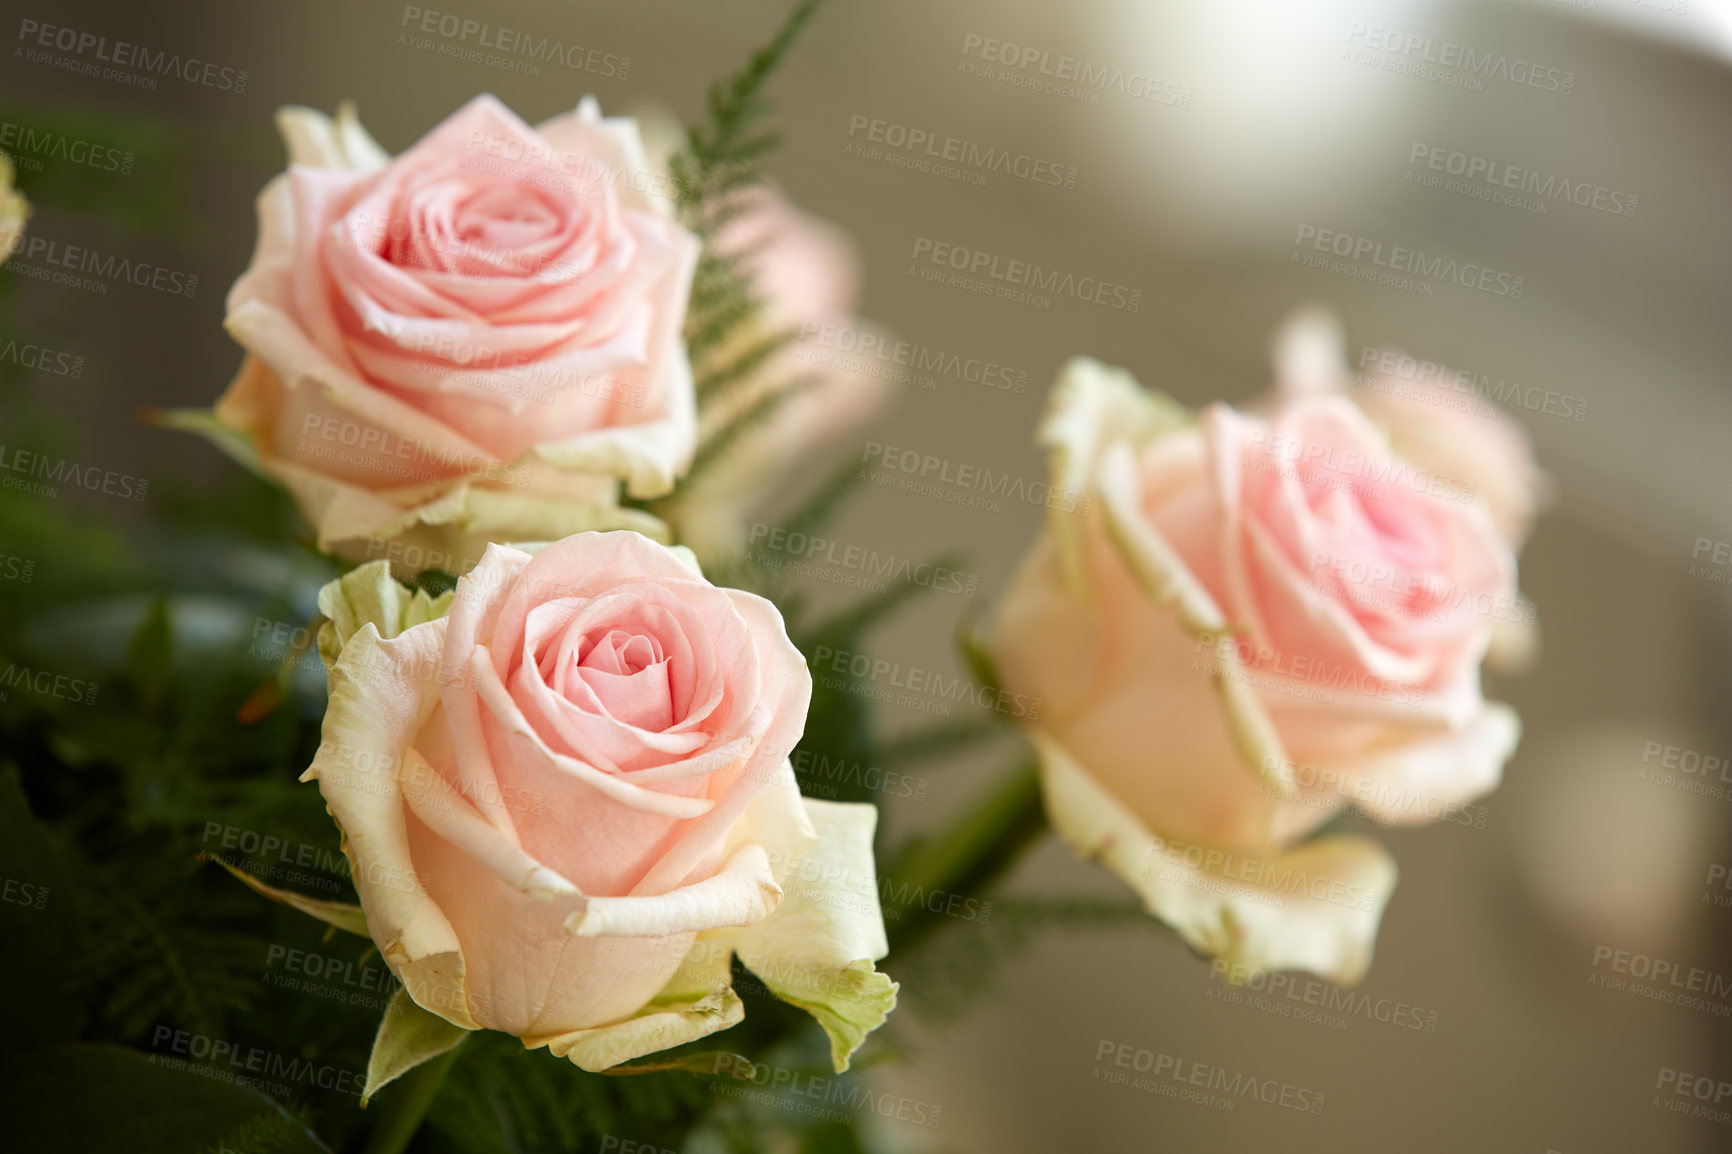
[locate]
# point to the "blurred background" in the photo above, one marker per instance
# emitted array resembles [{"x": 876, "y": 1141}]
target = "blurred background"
[{"x": 1270, "y": 118}]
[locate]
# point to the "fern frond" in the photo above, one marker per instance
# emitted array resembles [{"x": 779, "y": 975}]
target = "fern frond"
[
  {"x": 721, "y": 161},
  {"x": 758, "y": 413},
  {"x": 714, "y": 384},
  {"x": 730, "y": 142},
  {"x": 817, "y": 510}
]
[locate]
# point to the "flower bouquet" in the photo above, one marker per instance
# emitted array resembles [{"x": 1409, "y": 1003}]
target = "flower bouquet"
[{"x": 565, "y": 811}]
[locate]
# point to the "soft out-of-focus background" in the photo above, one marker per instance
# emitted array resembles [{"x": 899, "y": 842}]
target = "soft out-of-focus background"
[{"x": 1273, "y": 117}]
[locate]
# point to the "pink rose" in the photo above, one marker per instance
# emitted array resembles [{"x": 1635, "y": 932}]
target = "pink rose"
[
  {"x": 1431, "y": 418},
  {"x": 1445, "y": 428},
  {"x": 568, "y": 802},
  {"x": 1266, "y": 620},
  {"x": 479, "y": 338}
]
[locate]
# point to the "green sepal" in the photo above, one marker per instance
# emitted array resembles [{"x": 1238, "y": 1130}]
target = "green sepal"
[
  {"x": 343, "y": 915},
  {"x": 407, "y": 1037}
]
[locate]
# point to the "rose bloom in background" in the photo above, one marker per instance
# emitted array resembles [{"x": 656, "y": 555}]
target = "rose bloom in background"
[
  {"x": 1262, "y": 620},
  {"x": 478, "y": 339},
  {"x": 1451, "y": 432},
  {"x": 807, "y": 272},
  {"x": 566, "y": 796}
]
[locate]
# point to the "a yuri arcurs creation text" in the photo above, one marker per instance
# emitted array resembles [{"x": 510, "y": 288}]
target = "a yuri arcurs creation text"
[
  {"x": 565, "y": 792},
  {"x": 1273, "y": 617}
]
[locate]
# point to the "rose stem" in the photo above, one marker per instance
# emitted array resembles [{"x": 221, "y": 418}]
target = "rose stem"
[
  {"x": 400, "y": 1113},
  {"x": 968, "y": 856}
]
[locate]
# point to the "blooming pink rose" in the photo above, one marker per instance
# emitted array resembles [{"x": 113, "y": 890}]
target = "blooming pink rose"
[
  {"x": 1431, "y": 418},
  {"x": 568, "y": 802},
  {"x": 479, "y": 338},
  {"x": 1464, "y": 441},
  {"x": 1268, "y": 620}
]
